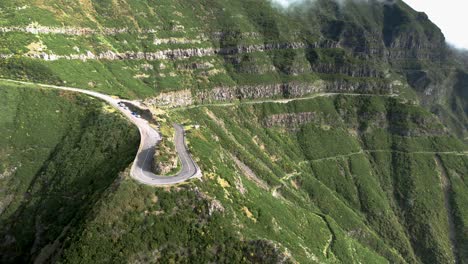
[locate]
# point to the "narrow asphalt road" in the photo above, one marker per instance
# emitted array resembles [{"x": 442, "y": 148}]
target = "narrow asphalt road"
[
  {"x": 141, "y": 169},
  {"x": 142, "y": 166}
]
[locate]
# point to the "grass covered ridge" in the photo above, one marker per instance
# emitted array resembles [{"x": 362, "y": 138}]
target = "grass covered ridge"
[
  {"x": 292, "y": 194},
  {"x": 59, "y": 152}
]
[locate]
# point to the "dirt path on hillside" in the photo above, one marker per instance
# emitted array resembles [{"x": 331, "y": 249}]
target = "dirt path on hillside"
[
  {"x": 280, "y": 101},
  {"x": 447, "y": 189}
]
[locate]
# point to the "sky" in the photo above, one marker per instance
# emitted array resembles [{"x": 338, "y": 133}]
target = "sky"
[{"x": 450, "y": 15}]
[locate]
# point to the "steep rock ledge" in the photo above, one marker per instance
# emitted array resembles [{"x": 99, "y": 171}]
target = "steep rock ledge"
[
  {"x": 291, "y": 121},
  {"x": 168, "y": 54},
  {"x": 348, "y": 69},
  {"x": 269, "y": 91},
  {"x": 291, "y": 90},
  {"x": 36, "y": 29},
  {"x": 171, "y": 99}
]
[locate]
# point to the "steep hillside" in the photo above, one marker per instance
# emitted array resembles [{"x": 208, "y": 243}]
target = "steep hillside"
[
  {"x": 228, "y": 50},
  {"x": 321, "y": 180},
  {"x": 328, "y": 132},
  {"x": 59, "y": 152}
]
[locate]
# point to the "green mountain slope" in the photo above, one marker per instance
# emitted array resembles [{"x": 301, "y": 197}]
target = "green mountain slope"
[
  {"x": 59, "y": 152},
  {"x": 367, "y": 166},
  {"x": 317, "y": 199},
  {"x": 224, "y": 50}
]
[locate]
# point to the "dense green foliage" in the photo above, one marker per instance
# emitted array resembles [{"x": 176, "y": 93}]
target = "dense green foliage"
[
  {"x": 360, "y": 44},
  {"x": 362, "y": 172},
  {"x": 379, "y": 199},
  {"x": 60, "y": 151},
  {"x": 142, "y": 224},
  {"x": 370, "y": 178}
]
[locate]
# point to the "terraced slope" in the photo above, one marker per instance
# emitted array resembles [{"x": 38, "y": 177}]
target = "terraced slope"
[
  {"x": 228, "y": 50},
  {"x": 323, "y": 180},
  {"x": 374, "y": 172}
]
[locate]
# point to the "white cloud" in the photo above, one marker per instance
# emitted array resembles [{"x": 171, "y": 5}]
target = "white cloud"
[{"x": 284, "y": 3}]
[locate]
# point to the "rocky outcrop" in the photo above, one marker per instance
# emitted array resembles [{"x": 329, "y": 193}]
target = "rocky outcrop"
[
  {"x": 259, "y": 91},
  {"x": 240, "y": 92},
  {"x": 267, "y": 251},
  {"x": 72, "y": 31},
  {"x": 171, "y": 99},
  {"x": 365, "y": 86},
  {"x": 175, "y": 41},
  {"x": 261, "y": 47},
  {"x": 194, "y": 66},
  {"x": 164, "y": 168},
  {"x": 267, "y": 91},
  {"x": 397, "y": 123},
  {"x": 170, "y": 54},
  {"x": 291, "y": 121},
  {"x": 291, "y": 90},
  {"x": 165, "y": 160},
  {"x": 242, "y": 35},
  {"x": 223, "y": 94},
  {"x": 415, "y": 125},
  {"x": 404, "y": 40},
  {"x": 37, "y": 29},
  {"x": 213, "y": 204},
  {"x": 5, "y": 202},
  {"x": 8, "y": 172},
  {"x": 348, "y": 69},
  {"x": 249, "y": 173},
  {"x": 297, "y": 89}
]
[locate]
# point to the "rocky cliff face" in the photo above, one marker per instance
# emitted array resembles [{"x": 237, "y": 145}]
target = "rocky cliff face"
[
  {"x": 290, "y": 121},
  {"x": 251, "y": 51},
  {"x": 271, "y": 91},
  {"x": 407, "y": 42},
  {"x": 171, "y": 99},
  {"x": 37, "y": 29},
  {"x": 348, "y": 70},
  {"x": 393, "y": 121},
  {"x": 169, "y": 54}
]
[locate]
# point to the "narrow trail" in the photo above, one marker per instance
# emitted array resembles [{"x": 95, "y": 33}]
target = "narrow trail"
[
  {"x": 455, "y": 153},
  {"x": 447, "y": 189},
  {"x": 282, "y": 101}
]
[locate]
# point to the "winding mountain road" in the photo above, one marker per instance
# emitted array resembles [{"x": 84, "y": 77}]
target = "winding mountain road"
[{"x": 142, "y": 166}]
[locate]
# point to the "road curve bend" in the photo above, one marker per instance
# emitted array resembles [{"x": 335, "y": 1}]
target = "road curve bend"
[{"x": 142, "y": 166}]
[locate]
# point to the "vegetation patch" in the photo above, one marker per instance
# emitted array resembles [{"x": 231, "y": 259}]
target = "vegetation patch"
[{"x": 66, "y": 151}]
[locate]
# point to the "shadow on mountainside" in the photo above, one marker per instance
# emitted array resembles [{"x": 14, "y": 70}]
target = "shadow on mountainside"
[{"x": 81, "y": 167}]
